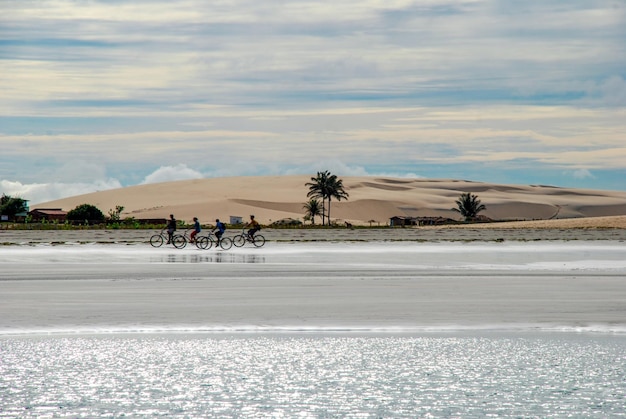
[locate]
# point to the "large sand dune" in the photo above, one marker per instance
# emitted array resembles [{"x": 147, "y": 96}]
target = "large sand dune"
[{"x": 272, "y": 198}]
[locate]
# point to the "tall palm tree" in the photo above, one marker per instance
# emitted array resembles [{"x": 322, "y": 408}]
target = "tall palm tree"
[
  {"x": 469, "y": 206},
  {"x": 318, "y": 189},
  {"x": 335, "y": 190},
  {"x": 313, "y": 208},
  {"x": 326, "y": 186}
]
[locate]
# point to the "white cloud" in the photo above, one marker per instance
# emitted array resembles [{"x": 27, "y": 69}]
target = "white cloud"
[
  {"x": 37, "y": 193},
  {"x": 171, "y": 173},
  {"x": 255, "y": 88},
  {"x": 583, "y": 174}
]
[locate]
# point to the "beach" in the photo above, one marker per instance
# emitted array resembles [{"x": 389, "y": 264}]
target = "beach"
[
  {"x": 508, "y": 319},
  {"x": 318, "y": 285},
  {"x": 589, "y": 228},
  {"x": 401, "y": 322}
]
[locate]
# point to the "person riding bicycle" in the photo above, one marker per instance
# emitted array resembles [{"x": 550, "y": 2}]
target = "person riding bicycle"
[
  {"x": 171, "y": 228},
  {"x": 196, "y": 230},
  {"x": 221, "y": 229},
  {"x": 254, "y": 227}
]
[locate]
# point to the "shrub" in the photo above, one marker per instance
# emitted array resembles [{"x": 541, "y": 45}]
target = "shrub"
[{"x": 85, "y": 213}]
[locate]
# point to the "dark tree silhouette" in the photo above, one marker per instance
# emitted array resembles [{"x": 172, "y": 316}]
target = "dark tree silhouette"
[
  {"x": 85, "y": 213},
  {"x": 318, "y": 189},
  {"x": 12, "y": 206},
  {"x": 326, "y": 186},
  {"x": 335, "y": 190},
  {"x": 313, "y": 209},
  {"x": 469, "y": 206}
]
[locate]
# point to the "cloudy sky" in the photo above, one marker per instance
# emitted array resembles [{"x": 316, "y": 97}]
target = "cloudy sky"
[{"x": 105, "y": 94}]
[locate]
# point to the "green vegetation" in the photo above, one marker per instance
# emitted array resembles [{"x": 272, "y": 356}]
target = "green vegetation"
[
  {"x": 313, "y": 209},
  {"x": 114, "y": 215},
  {"x": 12, "y": 206},
  {"x": 326, "y": 186},
  {"x": 469, "y": 206},
  {"x": 85, "y": 213}
]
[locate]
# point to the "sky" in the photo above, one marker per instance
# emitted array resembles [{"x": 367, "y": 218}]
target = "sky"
[{"x": 106, "y": 94}]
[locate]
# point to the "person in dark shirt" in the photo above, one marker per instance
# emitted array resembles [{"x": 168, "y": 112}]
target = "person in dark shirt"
[{"x": 171, "y": 228}]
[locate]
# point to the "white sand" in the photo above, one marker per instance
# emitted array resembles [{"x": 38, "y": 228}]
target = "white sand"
[{"x": 372, "y": 200}]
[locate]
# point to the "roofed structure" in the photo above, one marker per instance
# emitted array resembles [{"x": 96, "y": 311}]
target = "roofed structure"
[{"x": 48, "y": 214}]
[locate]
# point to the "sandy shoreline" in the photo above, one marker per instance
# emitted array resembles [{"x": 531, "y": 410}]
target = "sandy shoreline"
[{"x": 600, "y": 228}]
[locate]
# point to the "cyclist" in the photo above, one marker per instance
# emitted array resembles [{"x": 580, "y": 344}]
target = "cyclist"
[
  {"x": 171, "y": 228},
  {"x": 196, "y": 230},
  {"x": 220, "y": 227},
  {"x": 254, "y": 227}
]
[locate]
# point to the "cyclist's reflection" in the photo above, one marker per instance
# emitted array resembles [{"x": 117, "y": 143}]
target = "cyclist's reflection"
[{"x": 219, "y": 257}]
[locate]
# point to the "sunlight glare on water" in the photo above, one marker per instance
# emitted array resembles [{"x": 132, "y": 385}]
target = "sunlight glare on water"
[{"x": 318, "y": 376}]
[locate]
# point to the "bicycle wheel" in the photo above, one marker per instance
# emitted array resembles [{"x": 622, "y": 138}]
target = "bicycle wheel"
[
  {"x": 156, "y": 240},
  {"x": 226, "y": 243},
  {"x": 204, "y": 242},
  {"x": 258, "y": 240},
  {"x": 179, "y": 241},
  {"x": 239, "y": 240}
]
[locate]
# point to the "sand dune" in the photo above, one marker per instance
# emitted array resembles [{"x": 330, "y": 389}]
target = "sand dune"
[{"x": 272, "y": 198}]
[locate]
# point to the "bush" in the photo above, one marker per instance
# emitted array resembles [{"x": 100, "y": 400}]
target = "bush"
[{"x": 85, "y": 213}]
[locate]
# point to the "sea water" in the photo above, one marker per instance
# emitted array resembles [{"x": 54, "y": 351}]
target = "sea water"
[
  {"x": 330, "y": 330},
  {"x": 355, "y": 376}
]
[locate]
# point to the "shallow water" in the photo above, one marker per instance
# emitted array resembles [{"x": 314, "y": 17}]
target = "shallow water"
[
  {"x": 314, "y": 330},
  {"x": 333, "y": 286},
  {"x": 463, "y": 375}
]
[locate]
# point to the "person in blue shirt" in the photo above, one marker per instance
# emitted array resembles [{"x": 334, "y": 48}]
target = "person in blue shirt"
[
  {"x": 196, "y": 229},
  {"x": 221, "y": 228}
]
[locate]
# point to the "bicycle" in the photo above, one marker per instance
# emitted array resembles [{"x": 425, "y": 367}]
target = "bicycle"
[
  {"x": 180, "y": 240},
  {"x": 210, "y": 240},
  {"x": 241, "y": 239},
  {"x": 157, "y": 240}
]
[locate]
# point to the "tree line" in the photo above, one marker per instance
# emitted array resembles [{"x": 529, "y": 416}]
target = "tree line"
[{"x": 323, "y": 188}]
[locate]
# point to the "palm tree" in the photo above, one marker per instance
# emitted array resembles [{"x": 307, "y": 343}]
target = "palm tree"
[
  {"x": 469, "y": 206},
  {"x": 335, "y": 190},
  {"x": 318, "y": 189},
  {"x": 313, "y": 208},
  {"x": 326, "y": 186}
]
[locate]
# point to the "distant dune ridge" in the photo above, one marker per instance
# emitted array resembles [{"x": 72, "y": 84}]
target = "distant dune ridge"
[{"x": 375, "y": 199}]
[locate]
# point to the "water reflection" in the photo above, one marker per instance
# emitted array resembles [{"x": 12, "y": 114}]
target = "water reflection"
[
  {"x": 208, "y": 258},
  {"x": 167, "y": 375}
]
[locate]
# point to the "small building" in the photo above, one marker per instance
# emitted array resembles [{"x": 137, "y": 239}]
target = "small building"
[
  {"x": 47, "y": 214},
  {"x": 399, "y": 221},
  {"x": 234, "y": 220}
]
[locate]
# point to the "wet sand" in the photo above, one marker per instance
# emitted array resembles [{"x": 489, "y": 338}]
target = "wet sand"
[
  {"x": 542, "y": 274},
  {"x": 418, "y": 234},
  {"x": 316, "y": 286}
]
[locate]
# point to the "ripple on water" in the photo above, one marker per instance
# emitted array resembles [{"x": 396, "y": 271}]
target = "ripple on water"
[{"x": 323, "y": 376}]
